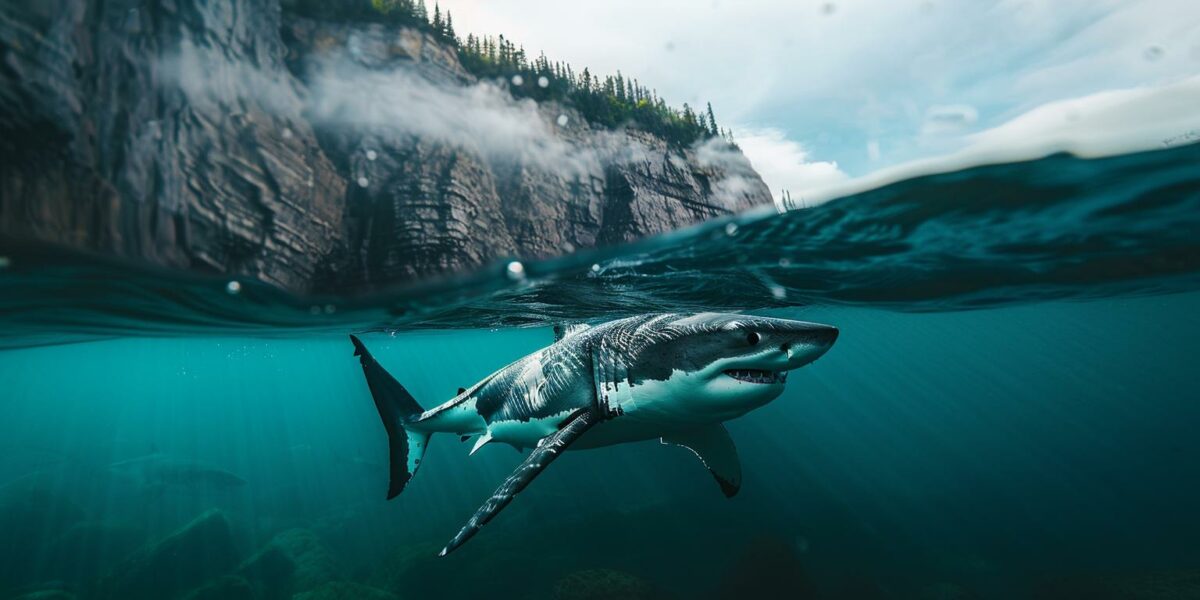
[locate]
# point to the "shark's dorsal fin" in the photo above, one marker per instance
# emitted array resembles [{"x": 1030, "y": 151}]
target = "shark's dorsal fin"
[
  {"x": 538, "y": 459},
  {"x": 713, "y": 446},
  {"x": 563, "y": 330}
]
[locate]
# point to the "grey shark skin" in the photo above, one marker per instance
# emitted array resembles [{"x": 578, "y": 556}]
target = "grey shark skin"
[{"x": 671, "y": 377}]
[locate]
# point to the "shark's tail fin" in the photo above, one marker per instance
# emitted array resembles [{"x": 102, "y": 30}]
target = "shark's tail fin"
[{"x": 398, "y": 409}]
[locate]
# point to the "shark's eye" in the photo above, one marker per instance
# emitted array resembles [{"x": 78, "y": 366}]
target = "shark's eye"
[{"x": 753, "y": 338}]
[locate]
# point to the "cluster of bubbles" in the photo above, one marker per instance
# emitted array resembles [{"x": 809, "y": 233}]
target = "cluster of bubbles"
[
  {"x": 317, "y": 309},
  {"x": 515, "y": 271}
]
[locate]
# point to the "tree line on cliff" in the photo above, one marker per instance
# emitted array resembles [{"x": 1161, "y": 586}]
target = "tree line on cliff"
[{"x": 611, "y": 101}]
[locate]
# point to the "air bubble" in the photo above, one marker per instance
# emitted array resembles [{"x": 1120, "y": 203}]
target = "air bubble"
[
  {"x": 363, "y": 182},
  {"x": 233, "y": 288},
  {"x": 517, "y": 80},
  {"x": 778, "y": 292},
  {"x": 5, "y": 262},
  {"x": 330, "y": 309},
  {"x": 372, "y": 155},
  {"x": 731, "y": 229},
  {"x": 595, "y": 268},
  {"x": 785, "y": 263},
  {"x": 515, "y": 270},
  {"x": 543, "y": 82},
  {"x": 563, "y": 120},
  {"x": 568, "y": 247},
  {"x": 287, "y": 133}
]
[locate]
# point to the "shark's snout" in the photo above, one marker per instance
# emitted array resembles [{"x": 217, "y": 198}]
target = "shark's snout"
[{"x": 808, "y": 342}]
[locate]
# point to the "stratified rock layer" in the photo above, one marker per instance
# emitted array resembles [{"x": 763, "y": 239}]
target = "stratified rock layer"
[{"x": 180, "y": 132}]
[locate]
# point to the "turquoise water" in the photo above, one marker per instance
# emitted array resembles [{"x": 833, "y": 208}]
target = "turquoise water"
[{"x": 1040, "y": 444}]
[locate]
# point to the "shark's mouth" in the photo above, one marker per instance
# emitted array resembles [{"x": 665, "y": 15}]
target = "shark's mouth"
[{"x": 757, "y": 375}]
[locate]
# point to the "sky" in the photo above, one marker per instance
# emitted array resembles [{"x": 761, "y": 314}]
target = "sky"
[{"x": 820, "y": 93}]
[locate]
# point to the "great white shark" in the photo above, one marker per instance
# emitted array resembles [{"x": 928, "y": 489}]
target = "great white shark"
[{"x": 672, "y": 377}]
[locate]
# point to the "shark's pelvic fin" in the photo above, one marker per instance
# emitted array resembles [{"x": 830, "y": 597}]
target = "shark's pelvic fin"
[
  {"x": 481, "y": 442},
  {"x": 713, "y": 446},
  {"x": 533, "y": 464}
]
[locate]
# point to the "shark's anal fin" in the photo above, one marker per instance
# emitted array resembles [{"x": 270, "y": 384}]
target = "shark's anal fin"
[
  {"x": 533, "y": 464},
  {"x": 713, "y": 446}
]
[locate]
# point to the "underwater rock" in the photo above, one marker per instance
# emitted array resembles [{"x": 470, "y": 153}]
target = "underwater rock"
[
  {"x": 946, "y": 591},
  {"x": 293, "y": 561},
  {"x": 193, "y": 555},
  {"x": 229, "y": 587},
  {"x": 345, "y": 590},
  {"x": 314, "y": 563},
  {"x": 270, "y": 570},
  {"x": 30, "y": 518},
  {"x": 115, "y": 139},
  {"x": 603, "y": 584},
  {"x": 54, "y": 590},
  {"x": 416, "y": 571},
  {"x": 89, "y": 549},
  {"x": 46, "y": 595},
  {"x": 1178, "y": 584},
  {"x": 768, "y": 567}
]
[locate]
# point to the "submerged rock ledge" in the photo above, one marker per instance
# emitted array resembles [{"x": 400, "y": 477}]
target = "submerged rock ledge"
[{"x": 240, "y": 139}]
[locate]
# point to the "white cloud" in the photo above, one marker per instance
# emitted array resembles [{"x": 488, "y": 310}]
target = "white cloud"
[
  {"x": 870, "y": 69},
  {"x": 784, "y": 164},
  {"x": 1101, "y": 124},
  {"x": 483, "y": 117}
]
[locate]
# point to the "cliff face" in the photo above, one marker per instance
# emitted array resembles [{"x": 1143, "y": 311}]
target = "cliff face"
[{"x": 233, "y": 137}]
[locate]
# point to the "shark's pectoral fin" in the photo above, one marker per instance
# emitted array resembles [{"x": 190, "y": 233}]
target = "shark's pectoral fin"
[
  {"x": 713, "y": 446},
  {"x": 533, "y": 464}
]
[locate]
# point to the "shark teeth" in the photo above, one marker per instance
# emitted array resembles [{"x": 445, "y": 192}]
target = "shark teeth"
[{"x": 757, "y": 375}]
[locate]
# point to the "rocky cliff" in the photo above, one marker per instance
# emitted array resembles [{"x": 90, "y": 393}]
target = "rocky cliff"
[{"x": 317, "y": 155}]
